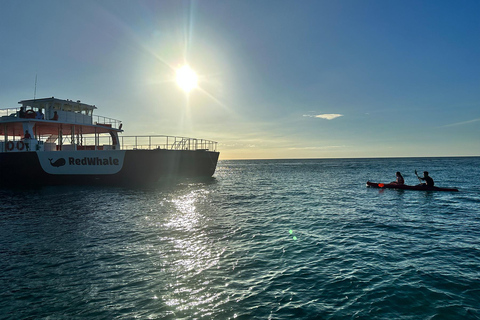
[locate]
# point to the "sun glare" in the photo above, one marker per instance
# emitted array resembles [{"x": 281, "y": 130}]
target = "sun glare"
[{"x": 186, "y": 79}]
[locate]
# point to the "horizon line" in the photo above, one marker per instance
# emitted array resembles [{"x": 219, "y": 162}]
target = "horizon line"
[{"x": 344, "y": 158}]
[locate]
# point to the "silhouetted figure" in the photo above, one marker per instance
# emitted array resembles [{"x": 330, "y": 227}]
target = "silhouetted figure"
[
  {"x": 39, "y": 114},
  {"x": 428, "y": 180},
  {"x": 399, "y": 180},
  {"x": 21, "y": 113},
  {"x": 55, "y": 116}
]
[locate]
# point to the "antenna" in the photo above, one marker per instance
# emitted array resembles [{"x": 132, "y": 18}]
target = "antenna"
[{"x": 35, "y": 91}]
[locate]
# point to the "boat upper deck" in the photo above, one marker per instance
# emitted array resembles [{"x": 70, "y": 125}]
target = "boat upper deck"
[
  {"x": 49, "y": 113},
  {"x": 52, "y": 124}
]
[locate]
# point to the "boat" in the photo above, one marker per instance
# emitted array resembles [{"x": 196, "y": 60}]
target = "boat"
[
  {"x": 421, "y": 187},
  {"x": 52, "y": 141}
]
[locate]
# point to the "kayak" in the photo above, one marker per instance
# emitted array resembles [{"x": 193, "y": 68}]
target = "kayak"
[{"x": 407, "y": 187}]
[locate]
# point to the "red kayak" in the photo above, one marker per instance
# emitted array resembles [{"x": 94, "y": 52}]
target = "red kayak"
[{"x": 406, "y": 187}]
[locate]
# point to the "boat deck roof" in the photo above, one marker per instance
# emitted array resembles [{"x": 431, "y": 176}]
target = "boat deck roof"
[{"x": 58, "y": 104}]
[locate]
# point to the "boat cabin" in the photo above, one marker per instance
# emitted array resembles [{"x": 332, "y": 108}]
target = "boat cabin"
[{"x": 53, "y": 124}]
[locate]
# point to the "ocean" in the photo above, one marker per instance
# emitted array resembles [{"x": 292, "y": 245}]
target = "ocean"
[{"x": 263, "y": 239}]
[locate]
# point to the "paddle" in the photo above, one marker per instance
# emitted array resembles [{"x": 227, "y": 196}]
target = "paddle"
[{"x": 418, "y": 176}]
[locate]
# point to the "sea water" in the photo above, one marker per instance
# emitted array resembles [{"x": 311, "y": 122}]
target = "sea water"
[{"x": 271, "y": 239}]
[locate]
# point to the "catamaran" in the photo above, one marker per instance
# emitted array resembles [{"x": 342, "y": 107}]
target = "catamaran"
[{"x": 53, "y": 141}]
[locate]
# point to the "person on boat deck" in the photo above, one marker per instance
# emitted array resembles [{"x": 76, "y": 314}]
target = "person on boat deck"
[
  {"x": 27, "y": 135},
  {"x": 428, "y": 180},
  {"x": 21, "y": 113},
  {"x": 55, "y": 116},
  {"x": 39, "y": 114},
  {"x": 399, "y": 180}
]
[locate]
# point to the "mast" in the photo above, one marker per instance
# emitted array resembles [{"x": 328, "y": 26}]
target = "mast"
[{"x": 35, "y": 90}]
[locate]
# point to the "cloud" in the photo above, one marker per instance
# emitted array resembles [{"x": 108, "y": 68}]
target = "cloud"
[
  {"x": 327, "y": 116},
  {"x": 461, "y": 123}
]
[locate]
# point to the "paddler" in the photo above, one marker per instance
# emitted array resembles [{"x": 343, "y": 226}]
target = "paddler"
[{"x": 428, "y": 180}]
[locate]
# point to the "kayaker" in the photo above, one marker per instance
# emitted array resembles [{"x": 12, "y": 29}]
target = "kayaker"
[
  {"x": 399, "y": 180},
  {"x": 428, "y": 180}
]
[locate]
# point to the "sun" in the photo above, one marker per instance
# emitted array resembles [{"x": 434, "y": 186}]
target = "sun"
[{"x": 187, "y": 79}]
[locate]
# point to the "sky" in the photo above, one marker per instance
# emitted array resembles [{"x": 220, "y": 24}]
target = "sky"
[{"x": 277, "y": 79}]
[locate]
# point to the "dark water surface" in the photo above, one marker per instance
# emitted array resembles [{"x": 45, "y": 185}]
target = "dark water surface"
[{"x": 276, "y": 239}]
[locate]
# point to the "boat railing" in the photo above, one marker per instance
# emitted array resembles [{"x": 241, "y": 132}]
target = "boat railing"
[
  {"x": 108, "y": 122},
  {"x": 9, "y": 112},
  {"x": 153, "y": 142},
  {"x": 166, "y": 142},
  {"x": 106, "y": 142},
  {"x": 70, "y": 117}
]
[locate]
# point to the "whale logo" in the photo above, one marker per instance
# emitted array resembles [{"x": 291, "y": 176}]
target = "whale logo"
[{"x": 58, "y": 163}]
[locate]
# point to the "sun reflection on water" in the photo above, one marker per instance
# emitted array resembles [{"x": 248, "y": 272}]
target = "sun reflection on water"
[
  {"x": 186, "y": 216},
  {"x": 191, "y": 256}
]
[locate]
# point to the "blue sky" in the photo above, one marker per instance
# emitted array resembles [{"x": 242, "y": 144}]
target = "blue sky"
[{"x": 277, "y": 79}]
